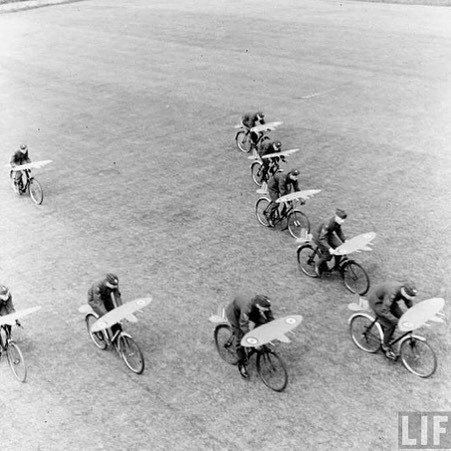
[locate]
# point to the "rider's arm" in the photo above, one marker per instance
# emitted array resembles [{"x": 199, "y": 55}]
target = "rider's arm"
[
  {"x": 9, "y": 307},
  {"x": 269, "y": 316},
  {"x": 96, "y": 302},
  {"x": 117, "y": 295},
  {"x": 296, "y": 185},
  {"x": 339, "y": 233},
  {"x": 385, "y": 309},
  {"x": 244, "y": 322}
]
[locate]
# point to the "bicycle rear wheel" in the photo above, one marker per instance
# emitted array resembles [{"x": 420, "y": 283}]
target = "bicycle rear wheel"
[
  {"x": 131, "y": 354},
  {"x": 272, "y": 370},
  {"x": 243, "y": 141},
  {"x": 36, "y": 192},
  {"x": 16, "y": 362},
  {"x": 256, "y": 172},
  {"x": 97, "y": 337},
  {"x": 418, "y": 357},
  {"x": 365, "y": 334},
  {"x": 225, "y": 343},
  {"x": 306, "y": 260},
  {"x": 298, "y": 224},
  {"x": 261, "y": 208},
  {"x": 355, "y": 278}
]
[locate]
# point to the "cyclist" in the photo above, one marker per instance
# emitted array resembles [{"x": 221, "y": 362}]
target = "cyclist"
[
  {"x": 20, "y": 157},
  {"x": 6, "y": 305},
  {"x": 279, "y": 185},
  {"x": 104, "y": 296},
  {"x": 240, "y": 312},
  {"x": 266, "y": 149},
  {"x": 250, "y": 120},
  {"x": 329, "y": 236},
  {"x": 384, "y": 300}
]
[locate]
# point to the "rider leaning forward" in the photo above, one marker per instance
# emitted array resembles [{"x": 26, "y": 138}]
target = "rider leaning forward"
[
  {"x": 104, "y": 296},
  {"x": 267, "y": 148},
  {"x": 6, "y": 304},
  {"x": 250, "y": 120},
  {"x": 384, "y": 299},
  {"x": 329, "y": 236},
  {"x": 240, "y": 312},
  {"x": 279, "y": 185},
  {"x": 19, "y": 157}
]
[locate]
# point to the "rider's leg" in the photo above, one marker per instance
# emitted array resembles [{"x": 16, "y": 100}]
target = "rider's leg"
[
  {"x": 389, "y": 326},
  {"x": 334, "y": 243},
  {"x": 324, "y": 257},
  {"x": 240, "y": 352},
  {"x": 272, "y": 207}
]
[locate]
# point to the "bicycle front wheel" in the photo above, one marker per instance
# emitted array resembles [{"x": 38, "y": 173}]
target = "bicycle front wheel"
[
  {"x": 36, "y": 193},
  {"x": 272, "y": 370},
  {"x": 261, "y": 210},
  {"x": 365, "y": 334},
  {"x": 306, "y": 260},
  {"x": 256, "y": 172},
  {"x": 16, "y": 362},
  {"x": 355, "y": 278},
  {"x": 418, "y": 357},
  {"x": 298, "y": 224},
  {"x": 97, "y": 337},
  {"x": 225, "y": 343},
  {"x": 243, "y": 141},
  {"x": 131, "y": 354}
]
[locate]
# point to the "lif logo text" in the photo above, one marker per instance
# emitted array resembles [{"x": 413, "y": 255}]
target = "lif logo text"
[{"x": 424, "y": 430}]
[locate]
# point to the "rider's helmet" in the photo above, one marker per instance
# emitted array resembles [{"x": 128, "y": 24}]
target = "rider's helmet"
[
  {"x": 341, "y": 213},
  {"x": 262, "y": 301},
  {"x": 408, "y": 290},
  {"x": 277, "y": 145},
  {"x": 4, "y": 293},
  {"x": 111, "y": 280},
  {"x": 23, "y": 148},
  {"x": 294, "y": 173}
]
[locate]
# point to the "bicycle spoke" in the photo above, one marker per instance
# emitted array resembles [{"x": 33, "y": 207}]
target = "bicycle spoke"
[{"x": 418, "y": 357}]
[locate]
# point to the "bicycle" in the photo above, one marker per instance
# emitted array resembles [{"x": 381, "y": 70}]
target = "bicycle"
[
  {"x": 415, "y": 353},
  {"x": 31, "y": 185},
  {"x": 243, "y": 139},
  {"x": 270, "y": 367},
  {"x": 122, "y": 342},
  {"x": 297, "y": 222},
  {"x": 354, "y": 276},
  {"x": 13, "y": 354}
]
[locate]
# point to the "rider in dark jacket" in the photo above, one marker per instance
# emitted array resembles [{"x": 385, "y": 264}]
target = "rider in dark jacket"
[
  {"x": 329, "y": 236},
  {"x": 250, "y": 120},
  {"x": 279, "y": 185},
  {"x": 19, "y": 157},
  {"x": 240, "y": 312},
  {"x": 6, "y": 304},
  {"x": 104, "y": 296},
  {"x": 384, "y": 299},
  {"x": 267, "y": 148}
]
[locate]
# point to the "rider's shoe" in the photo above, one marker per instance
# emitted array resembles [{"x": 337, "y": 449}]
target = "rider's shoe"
[
  {"x": 243, "y": 371},
  {"x": 318, "y": 271},
  {"x": 389, "y": 352}
]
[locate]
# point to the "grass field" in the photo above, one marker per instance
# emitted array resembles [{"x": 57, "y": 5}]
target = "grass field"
[{"x": 135, "y": 103}]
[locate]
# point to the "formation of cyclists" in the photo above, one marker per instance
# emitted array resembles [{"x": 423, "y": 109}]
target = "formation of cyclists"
[{"x": 104, "y": 295}]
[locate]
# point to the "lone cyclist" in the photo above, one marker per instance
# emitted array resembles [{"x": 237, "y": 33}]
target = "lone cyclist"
[
  {"x": 279, "y": 185},
  {"x": 20, "y": 157},
  {"x": 384, "y": 299},
  {"x": 6, "y": 305},
  {"x": 240, "y": 312},
  {"x": 329, "y": 236},
  {"x": 250, "y": 120},
  {"x": 104, "y": 296}
]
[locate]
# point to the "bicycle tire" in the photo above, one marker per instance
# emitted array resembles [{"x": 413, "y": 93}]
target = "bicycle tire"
[
  {"x": 418, "y": 357},
  {"x": 36, "y": 192},
  {"x": 130, "y": 353},
  {"x": 243, "y": 142},
  {"x": 97, "y": 337},
  {"x": 298, "y": 224},
  {"x": 256, "y": 172},
  {"x": 16, "y": 362},
  {"x": 225, "y": 344},
  {"x": 355, "y": 278},
  {"x": 366, "y": 337},
  {"x": 260, "y": 208},
  {"x": 307, "y": 255},
  {"x": 272, "y": 370}
]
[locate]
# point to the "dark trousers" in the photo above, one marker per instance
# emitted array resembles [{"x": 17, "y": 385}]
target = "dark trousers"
[
  {"x": 325, "y": 255},
  {"x": 389, "y": 324}
]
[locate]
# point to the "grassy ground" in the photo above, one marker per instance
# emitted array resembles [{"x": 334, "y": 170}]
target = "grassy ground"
[{"x": 135, "y": 102}]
